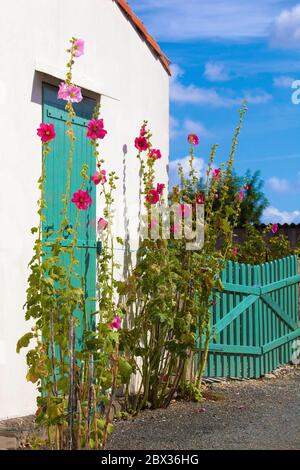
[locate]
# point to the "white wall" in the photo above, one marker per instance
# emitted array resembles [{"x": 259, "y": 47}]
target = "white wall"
[{"x": 117, "y": 63}]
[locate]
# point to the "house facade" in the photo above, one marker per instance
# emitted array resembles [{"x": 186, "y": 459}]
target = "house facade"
[{"x": 123, "y": 68}]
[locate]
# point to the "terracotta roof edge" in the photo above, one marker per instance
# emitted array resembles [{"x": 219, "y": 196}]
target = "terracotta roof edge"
[{"x": 147, "y": 36}]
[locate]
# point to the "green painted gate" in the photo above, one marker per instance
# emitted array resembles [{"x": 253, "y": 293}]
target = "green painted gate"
[
  {"x": 56, "y": 176},
  {"x": 255, "y": 320}
]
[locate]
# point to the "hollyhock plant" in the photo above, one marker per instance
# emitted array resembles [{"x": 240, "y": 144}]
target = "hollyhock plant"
[
  {"x": 193, "y": 139},
  {"x": 155, "y": 154},
  {"x": 143, "y": 131},
  {"x": 216, "y": 174},
  {"x": 96, "y": 129},
  {"x": 160, "y": 188},
  {"x": 69, "y": 93},
  {"x": 152, "y": 196},
  {"x": 78, "y": 47},
  {"x": 200, "y": 199},
  {"x": 82, "y": 200},
  {"x": 116, "y": 324},
  {"x": 274, "y": 228},
  {"x": 99, "y": 177},
  {"x": 241, "y": 196},
  {"x": 235, "y": 251},
  {"x": 102, "y": 224},
  {"x": 141, "y": 144},
  {"x": 46, "y": 132}
]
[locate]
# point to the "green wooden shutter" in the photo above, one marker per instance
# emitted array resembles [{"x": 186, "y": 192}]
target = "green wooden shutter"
[{"x": 56, "y": 175}]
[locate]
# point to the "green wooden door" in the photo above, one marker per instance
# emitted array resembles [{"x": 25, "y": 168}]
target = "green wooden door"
[{"x": 56, "y": 176}]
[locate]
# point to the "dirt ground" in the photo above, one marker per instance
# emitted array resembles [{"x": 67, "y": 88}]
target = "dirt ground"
[{"x": 250, "y": 414}]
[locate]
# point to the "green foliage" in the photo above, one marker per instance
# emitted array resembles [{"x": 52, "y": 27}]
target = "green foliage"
[
  {"x": 167, "y": 297},
  {"x": 254, "y": 200},
  {"x": 262, "y": 246},
  {"x": 76, "y": 387}
]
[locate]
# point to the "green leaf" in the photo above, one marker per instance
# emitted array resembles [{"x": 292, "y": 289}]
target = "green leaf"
[
  {"x": 125, "y": 370},
  {"x": 24, "y": 341}
]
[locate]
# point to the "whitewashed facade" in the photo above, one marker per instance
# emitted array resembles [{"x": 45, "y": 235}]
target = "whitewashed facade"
[{"x": 120, "y": 65}]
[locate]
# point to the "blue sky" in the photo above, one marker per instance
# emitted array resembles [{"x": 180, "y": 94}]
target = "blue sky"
[{"x": 223, "y": 51}]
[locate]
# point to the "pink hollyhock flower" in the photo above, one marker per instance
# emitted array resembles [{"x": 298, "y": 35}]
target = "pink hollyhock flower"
[
  {"x": 160, "y": 188},
  {"x": 62, "y": 91},
  {"x": 246, "y": 187},
  {"x": 274, "y": 228},
  {"x": 46, "y": 132},
  {"x": 78, "y": 48},
  {"x": 175, "y": 229},
  {"x": 96, "y": 129},
  {"x": 184, "y": 210},
  {"x": 102, "y": 224},
  {"x": 193, "y": 139},
  {"x": 99, "y": 177},
  {"x": 82, "y": 200},
  {"x": 116, "y": 324},
  {"x": 216, "y": 196},
  {"x": 216, "y": 174},
  {"x": 152, "y": 196},
  {"x": 155, "y": 154},
  {"x": 241, "y": 196},
  {"x": 214, "y": 302},
  {"x": 141, "y": 144},
  {"x": 235, "y": 251},
  {"x": 70, "y": 93},
  {"x": 143, "y": 132},
  {"x": 200, "y": 198}
]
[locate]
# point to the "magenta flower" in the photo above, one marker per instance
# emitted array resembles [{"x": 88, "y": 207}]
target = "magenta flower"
[
  {"x": 152, "y": 196},
  {"x": 216, "y": 196},
  {"x": 46, "y": 132},
  {"x": 102, "y": 224},
  {"x": 143, "y": 131},
  {"x": 216, "y": 174},
  {"x": 96, "y": 129},
  {"x": 193, "y": 139},
  {"x": 141, "y": 144},
  {"x": 155, "y": 154},
  {"x": 78, "y": 47},
  {"x": 69, "y": 93},
  {"x": 241, "y": 196},
  {"x": 274, "y": 228},
  {"x": 235, "y": 251},
  {"x": 160, "y": 188},
  {"x": 200, "y": 198},
  {"x": 99, "y": 177},
  {"x": 116, "y": 324},
  {"x": 82, "y": 200}
]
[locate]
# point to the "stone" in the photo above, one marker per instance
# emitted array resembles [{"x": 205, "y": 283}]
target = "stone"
[{"x": 8, "y": 443}]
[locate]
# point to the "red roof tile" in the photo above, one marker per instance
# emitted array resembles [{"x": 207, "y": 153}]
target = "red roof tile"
[{"x": 148, "y": 38}]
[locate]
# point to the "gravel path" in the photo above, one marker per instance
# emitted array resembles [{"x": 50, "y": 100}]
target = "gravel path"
[{"x": 253, "y": 414}]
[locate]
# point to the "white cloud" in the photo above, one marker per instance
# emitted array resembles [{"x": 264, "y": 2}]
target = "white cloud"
[
  {"x": 216, "y": 72},
  {"x": 178, "y": 128},
  {"x": 283, "y": 82},
  {"x": 199, "y": 165},
  {"x": 274, "y": 215},
  {"x": 175, "y": 20},
  {"x": 192, "y": 94},
  {"x": 279, "y": 185},
  {"x": 195, "y": 127},
  {"x": 286, "y": 29}
]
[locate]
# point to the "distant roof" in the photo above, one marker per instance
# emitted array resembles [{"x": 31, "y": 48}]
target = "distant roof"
[{"x": 142, "y": 29}]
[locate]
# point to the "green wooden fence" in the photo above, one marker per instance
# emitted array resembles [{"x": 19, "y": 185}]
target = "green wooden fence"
[{"x": 255, "y": 320}]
